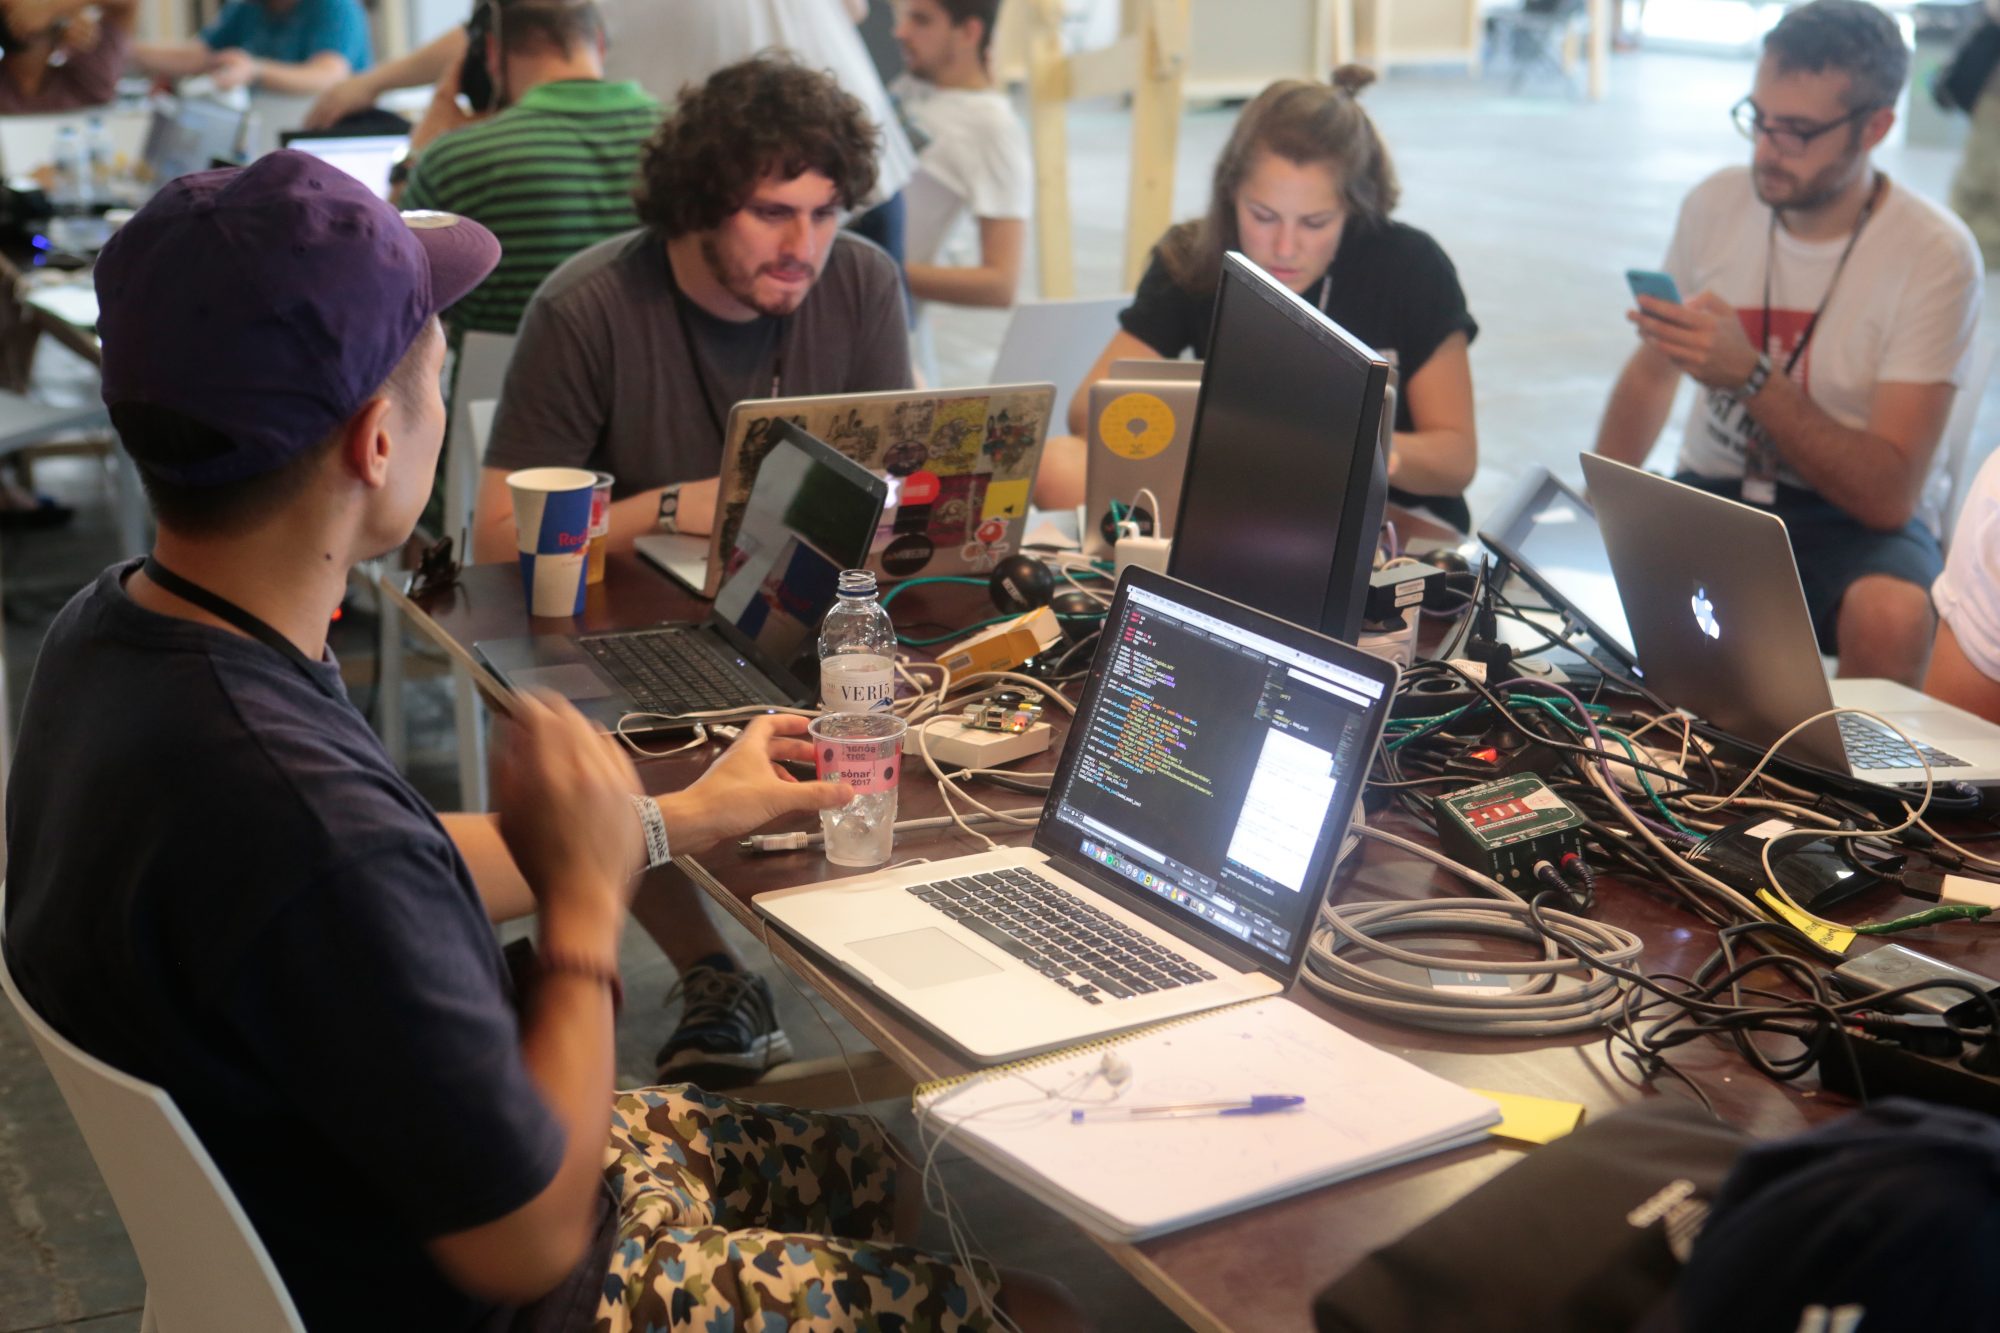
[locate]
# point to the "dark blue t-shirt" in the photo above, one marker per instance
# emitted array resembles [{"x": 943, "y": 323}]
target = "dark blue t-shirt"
[{"x": 218, "y": 882}]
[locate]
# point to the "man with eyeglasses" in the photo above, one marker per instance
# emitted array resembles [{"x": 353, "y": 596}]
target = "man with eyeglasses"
[{"x": 1829, "y": 325}]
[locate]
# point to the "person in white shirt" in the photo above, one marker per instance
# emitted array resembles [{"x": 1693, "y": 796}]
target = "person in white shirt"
[
  {"x": 972, "y": 155},
  {"x": 1965, "y": 660},
  {"x": 1828, "y": 322}
]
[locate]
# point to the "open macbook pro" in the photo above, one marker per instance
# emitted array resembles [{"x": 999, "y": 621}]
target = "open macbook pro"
[
  {"x": 811, "y": 513},
  {"x": 960, "y": 464},
  {"x": 1188, "y": 842},
  {"x": 1720, "y": 623}
]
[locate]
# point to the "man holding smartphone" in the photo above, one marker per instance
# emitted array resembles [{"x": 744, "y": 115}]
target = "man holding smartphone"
[{"x": 1829, "y": 328}]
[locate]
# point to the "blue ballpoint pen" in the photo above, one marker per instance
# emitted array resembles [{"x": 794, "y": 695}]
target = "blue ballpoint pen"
[{"x": 1262, "y": 1104}]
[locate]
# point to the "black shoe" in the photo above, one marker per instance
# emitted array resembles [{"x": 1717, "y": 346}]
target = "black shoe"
[{"x": 728, "y": 1033}]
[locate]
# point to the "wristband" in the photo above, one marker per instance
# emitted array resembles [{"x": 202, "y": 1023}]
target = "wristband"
[
  {"x": 546, "y": 962},
  {"x": 658, "y": 853},
  {"x": 1760, "y": 374},
  {"x": 670, "y": 509}
]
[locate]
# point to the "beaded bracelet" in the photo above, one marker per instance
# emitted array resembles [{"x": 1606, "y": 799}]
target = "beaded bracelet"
[{"x": 547, "y": 962}]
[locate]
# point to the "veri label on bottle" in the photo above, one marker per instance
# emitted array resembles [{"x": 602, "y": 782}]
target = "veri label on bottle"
[{"x": 856, "y": 683}]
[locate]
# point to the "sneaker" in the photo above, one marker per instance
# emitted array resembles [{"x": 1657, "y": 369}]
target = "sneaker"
[{"x": 728, "y": 1033}]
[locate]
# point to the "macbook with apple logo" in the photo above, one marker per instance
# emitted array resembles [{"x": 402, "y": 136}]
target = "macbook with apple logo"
[{"x": 1720, "y": 626}]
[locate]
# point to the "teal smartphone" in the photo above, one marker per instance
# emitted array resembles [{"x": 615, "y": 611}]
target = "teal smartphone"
[{"x": 1659, "y": 286}]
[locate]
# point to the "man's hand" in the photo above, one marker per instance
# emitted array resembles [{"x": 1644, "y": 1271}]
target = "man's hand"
[
  {"x": 443, "y": 115},
  {"x": 233, "y": 68},
  {"x": 745, "y": 788},
  {"x": 339, "y": 102},
  {"x": 80, "y": 35},
  {"x": 1703, "y": 338},
  {"x": 564, "y": 794}
]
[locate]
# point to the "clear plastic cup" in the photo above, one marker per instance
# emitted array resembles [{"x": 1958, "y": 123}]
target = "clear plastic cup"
[
  {"x": 864, "y": 750},
  {"x": 600, "y": 526}
]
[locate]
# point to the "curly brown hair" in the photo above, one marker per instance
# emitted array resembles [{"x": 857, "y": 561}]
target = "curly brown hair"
[{"x": 762, "y": 117}]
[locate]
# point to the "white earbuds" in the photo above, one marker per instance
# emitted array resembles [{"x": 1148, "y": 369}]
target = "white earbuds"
[{"x": 1116, "y": 1072}]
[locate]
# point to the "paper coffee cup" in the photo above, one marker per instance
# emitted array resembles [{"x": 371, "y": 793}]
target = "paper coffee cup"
[{"x": 552, "y": 534}]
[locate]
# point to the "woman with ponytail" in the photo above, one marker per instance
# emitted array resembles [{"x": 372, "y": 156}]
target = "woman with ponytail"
[{"x": 1305, "y": 188}]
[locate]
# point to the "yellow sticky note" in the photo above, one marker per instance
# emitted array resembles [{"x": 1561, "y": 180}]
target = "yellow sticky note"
[
  {"x": 1006, "y": 499},
  {"x": 1829, "y": 937},
  {"x": 1526, "y": 1119}
]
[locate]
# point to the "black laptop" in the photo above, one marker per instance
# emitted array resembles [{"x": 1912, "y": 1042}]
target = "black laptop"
[{"x": 811, "y": 513}]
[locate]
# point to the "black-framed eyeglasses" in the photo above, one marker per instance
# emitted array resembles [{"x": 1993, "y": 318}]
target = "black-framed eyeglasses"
[{"x": 1790, "y": 139}]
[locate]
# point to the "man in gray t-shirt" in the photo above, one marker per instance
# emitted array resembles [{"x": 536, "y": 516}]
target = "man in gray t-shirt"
[{"x": 741, "y": 285}]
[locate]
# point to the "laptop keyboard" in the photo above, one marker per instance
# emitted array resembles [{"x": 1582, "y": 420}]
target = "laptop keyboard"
[
  {"x": 1870, "y": 745},
  {"x": 1089, "y": 953},
  {"x": 670, "y": 671}
]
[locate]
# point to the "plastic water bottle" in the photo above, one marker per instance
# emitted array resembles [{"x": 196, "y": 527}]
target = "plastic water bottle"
[
  {"x": 72, "y": 189},
  {"x": 101, "y": 154},
  {"x": 857, "y": 649}
]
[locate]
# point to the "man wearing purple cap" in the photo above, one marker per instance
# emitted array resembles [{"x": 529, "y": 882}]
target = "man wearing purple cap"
[{"x": 219, "y": 883}]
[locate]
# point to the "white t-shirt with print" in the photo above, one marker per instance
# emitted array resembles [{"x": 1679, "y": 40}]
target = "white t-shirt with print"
[
  {"x": 1904, "y": 309},
  {"x": 972, "y": 161},
  {"x": 663, "y": 45},
  {"x": 1967, "y": 594}
]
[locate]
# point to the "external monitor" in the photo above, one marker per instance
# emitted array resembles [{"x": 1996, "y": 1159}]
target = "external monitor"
[{"x": 1285, "y": 486}]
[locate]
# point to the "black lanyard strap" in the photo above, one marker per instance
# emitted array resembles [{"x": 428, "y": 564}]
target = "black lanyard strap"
[
  {"x": 715, "y": 412},
  {"x": 1840, "y": 267},
  {"x": 223, "y": 609}
]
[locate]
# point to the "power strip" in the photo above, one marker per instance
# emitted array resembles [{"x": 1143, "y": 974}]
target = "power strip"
[{"x": 955, "y": 745}]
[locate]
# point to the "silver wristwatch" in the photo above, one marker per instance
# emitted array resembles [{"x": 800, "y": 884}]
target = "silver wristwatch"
[{"x": 670, "y": 508}]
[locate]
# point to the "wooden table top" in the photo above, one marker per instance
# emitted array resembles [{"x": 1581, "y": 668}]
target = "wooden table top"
[{"x": 1258, "y": 1269}]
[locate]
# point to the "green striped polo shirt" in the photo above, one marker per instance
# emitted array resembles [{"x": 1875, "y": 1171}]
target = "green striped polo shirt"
[{"x": 550, "y": 175}]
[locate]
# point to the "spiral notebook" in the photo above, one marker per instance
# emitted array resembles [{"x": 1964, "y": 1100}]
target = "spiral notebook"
[{"x": 1126, "y": 1180}]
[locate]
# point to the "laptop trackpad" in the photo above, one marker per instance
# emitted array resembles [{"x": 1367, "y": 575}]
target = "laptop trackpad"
[
  {"x": 572, "y": 680},
  {"x": 920, "y": 958}
]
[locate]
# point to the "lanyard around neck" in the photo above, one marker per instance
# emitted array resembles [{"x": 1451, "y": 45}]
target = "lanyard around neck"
[
  {"x": 1840, "y": 267},
  {"x": 708, "y": 401},
  {"x": 224, "y": 609}
]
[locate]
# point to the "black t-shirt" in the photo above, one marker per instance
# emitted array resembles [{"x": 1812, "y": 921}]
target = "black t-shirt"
[
  {"x": 1389, "y": 285},
  {"x": 218, "y": 883}
]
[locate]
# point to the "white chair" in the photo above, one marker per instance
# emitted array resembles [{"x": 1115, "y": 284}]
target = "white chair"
[
  {"x": 1962, "y": 453},
  {"x": 477, "y": 373},
  {"x": 477, "y": 376},
  {"x": 205, "y": 1267}
]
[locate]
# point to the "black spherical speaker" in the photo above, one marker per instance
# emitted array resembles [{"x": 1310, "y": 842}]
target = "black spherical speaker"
[{"x": 1022, "y": 583}]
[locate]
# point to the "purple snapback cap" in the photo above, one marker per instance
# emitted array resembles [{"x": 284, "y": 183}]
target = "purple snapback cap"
[{"x": 269, "y": 302}]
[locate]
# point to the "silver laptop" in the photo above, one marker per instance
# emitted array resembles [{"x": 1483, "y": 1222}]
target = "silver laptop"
[
  {"x": 1188, "y": 842},
  {"x": 960, "y": 464},
  {"x": 369, "y": 158},
  {"x": 1720, "y": 625},
  {"x": 1057, "y": 341},
  {"x": 192, "y": 134},
  {"x": 812, "y": 513},
  {"x": 1141, "y": 417}
]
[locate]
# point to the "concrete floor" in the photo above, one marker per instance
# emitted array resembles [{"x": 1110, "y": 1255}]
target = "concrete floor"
[{"x": 1542, "y": 200}]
